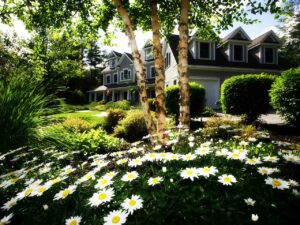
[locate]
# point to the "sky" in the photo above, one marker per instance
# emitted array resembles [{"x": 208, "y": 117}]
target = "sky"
[{"x": 121, "y": 42}]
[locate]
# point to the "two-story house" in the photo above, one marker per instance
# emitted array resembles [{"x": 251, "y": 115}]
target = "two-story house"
[{"x": 209, "y": 63}]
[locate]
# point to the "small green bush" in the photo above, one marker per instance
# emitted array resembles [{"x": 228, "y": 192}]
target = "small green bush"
[
  {"x": 94, "y": 140},
  {"x": 77, "y": 97},
  {"x": 76, "y": 124},
  {"x": 112, "y": 119},
  {"x": 247, "y": 94},
  {"x": 197, "y": 99},
  {"x": 123, "y": 104},
  {"x": 132, "y": 127},
  {"x": 285, "y": 96}
]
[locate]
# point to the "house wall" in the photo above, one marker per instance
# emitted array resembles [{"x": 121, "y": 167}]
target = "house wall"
[
  {"x": 171, "y": 72},
  {"x": 126, "y": 64}
]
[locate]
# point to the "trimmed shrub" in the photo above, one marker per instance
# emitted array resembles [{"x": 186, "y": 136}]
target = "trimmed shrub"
[
  {"x": 76, "y": 124},
  {"x": 285, "y": 96},
  {"x": 123, "y": 104},
  {"x": 77, "y": 97},
  {"x": 132, "y": 127},
  {"x": 197, "y": 100},
  {"x": 113, "y": 118},
  {"x": 247, "y": 94}
]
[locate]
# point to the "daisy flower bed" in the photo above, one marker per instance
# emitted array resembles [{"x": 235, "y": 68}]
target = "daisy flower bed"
[{"x": 190, "y": 181}]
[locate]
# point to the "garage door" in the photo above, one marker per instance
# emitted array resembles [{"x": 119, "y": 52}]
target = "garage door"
[{"x": 211, "y": 91}]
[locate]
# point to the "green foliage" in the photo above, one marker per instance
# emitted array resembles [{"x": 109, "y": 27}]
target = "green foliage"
[
  {"x": 122, "y": 104},
  {"x": 132, "y": 127},
  {"x": 285, "y": 96},
  {"x": 76, "y": 124},
  {"x": 246, "y": 94},
  {"x": 113, "y": 118},
  {"x": 22, "y": 106},
  {"x": 197, "y": 99},
  {"x": 94, "y": 140},
  {"x": 77, "y": 97},
  {"x": 208, "y": 112}
]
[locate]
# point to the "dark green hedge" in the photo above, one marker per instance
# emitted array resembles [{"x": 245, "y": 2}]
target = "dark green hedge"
[
  {"x": 197, "y": 100},
  {"x": 247, "y": 94},
  {"x": 285, "y": 96}
]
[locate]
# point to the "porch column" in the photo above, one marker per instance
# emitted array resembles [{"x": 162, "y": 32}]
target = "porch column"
[
  {"x": 113, "y": 95},
  {"x": 95, "y": 96},
  {"x": 90, "y": 97},
  {"x": 128, "y": 95},
  {"x": 103, "y": 96}
]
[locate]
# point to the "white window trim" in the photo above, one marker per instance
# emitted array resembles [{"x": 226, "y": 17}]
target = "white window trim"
[
  {"x": 198, "y": 49},
  {"x": 150, "y": 75},
  {"x": 109, "y": 79},
  {"x": 243, "y": 53},
  {"x": 274, "y": 56},
  {"x": 122, "y": 79},
  {"x": 146, "y": 49}
]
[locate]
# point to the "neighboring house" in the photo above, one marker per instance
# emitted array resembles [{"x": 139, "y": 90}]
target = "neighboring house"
[{"x": 209, "y": 63}]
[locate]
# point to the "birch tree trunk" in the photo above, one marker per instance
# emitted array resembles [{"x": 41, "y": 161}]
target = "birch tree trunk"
[
  {"x": 159, "y": 73},
  {"x": 184, "y": 100},
  {"x": 138, "y": 65}
]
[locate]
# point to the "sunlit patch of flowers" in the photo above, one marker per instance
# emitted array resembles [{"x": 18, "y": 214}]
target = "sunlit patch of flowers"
[{"x": 185, "y": 178}]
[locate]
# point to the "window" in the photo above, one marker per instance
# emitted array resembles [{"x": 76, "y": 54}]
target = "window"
[
  {"x": 115, "y": 78},
  {"x": 167, "y": 60},
  {"x": 126, "y": 74},
  {"x": 238, "y": 53},
  {"x": 152, "y": 72},
  {"x": 174, "y": 82},
  {"x": 269, "y": 55},
  {"x": 148, "y": 54},
  {"x": 204, "y": 50},
  {"x": 112, "y": 63},
  {"x": 108, "y": 79}
]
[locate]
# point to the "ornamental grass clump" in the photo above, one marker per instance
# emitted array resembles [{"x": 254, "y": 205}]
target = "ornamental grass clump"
[{"x": 190, "y": 181}]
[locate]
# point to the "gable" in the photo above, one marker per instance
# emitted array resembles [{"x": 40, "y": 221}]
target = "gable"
[
  {"x": 271, "y": 39},
  {"x": 240, "y": 36}
]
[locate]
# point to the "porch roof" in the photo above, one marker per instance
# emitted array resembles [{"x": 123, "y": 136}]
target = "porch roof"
[{"x": 99, "y": 89}]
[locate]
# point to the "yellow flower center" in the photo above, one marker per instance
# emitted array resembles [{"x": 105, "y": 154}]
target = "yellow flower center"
[
  {"x": 56, "y": 180},
  {"x": 204, "y": 150},
  {"x": 188, "y": 157},
  {"x": 163, "y": 155},
  {"x": 235, "y": 155},
  {"x": 276, "y": 183},
  {"x": 130, "y": 176},
  {"x": 155, "y": 180},
  {"x": 14, "y": 180},
  {"x": 189, "y": 172},
  {"x": 206, "y": 169},
  {"x": 73, "y": 222},
  {"x": 152, "y": 156},
  {"x": 115, "y": 219},
  {"x": 66, "y": 192},
  {"x": 11, "y": 203},
  {"x": 68, "y": 171},
  {"x": 102, "y": 196},
  {"x": 41, "y": 189},
  {"x": 264, "y": 171},
  {"x": 227, "y": 179},
  {"x": 271, "y": 159},
  {"x": 252, "y": 160},
  {"x": 291, "y": 159},
  {"x": 103, "y": 182},
  {"x": 88, "y": 177},
  {"x": 132, "y": 202},
  {"x": 28, "y": 191}
]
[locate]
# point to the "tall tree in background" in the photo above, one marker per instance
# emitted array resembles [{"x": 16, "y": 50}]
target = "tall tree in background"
[
  {"x": 290, "y": 34},
  {"x": 94, "y": 58}
]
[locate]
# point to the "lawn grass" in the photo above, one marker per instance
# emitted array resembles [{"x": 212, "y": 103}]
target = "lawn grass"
[{"x": 90, "y": 117}]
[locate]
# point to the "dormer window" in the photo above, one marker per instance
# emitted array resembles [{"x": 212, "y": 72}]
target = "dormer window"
[
  {"x": 108, "y": 79},
  {"x": 149, "y": 54},
  {"x": 238, "y": 53},
  {"x": 269, "y": 55},
  {"x": 204, "y": 50},
  {"x": 112, "y": 63}
]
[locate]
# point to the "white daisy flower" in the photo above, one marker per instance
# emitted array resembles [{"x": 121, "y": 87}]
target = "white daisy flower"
[
  {"x": 39, "y": 190},
  {"x": 226, "y": 179},
  {"x": 207, "y": 171},
  {"x": 277, "y": 183},
  {"x": 65, "y": 193},
  {"x": 203, "y": 151},
  {"x": 254, "y": 217},
  {"x": 130, "y": 176},
  {"x": 237, "y": 155},
  {"x": 291, "y": 158},
  {"x": 266, "y": 170},
  {"x": 151, "y": 157},
  {"x": 162, "y": 156},
  {"x": 223, "y": 152},
  {"x": 6, "y": 219},
  {"x": 252, "y": 139},
  {"x": 9, "y": 204},
  {"x": 103, "y": 182},
  {"x": 133, "y": 203},
  {"x": 293, "y": 183},
  {"x": 253, "y": 161},
  {"x": 135, "y": 162},
  {"x": 116, "y": 217},
  {"x": 110, "y": 175},
  {"x": 152, "y": 181},
  {"x": 75, "y": 220},
  {"x": 157, "y": 147},
  {"x": 272, "y": 159},
  {"x": 188, "y": 157},
  {"x": 189, "y": 173},
  {"x": 101, "y": 197},
  {"x": 249, "y": 201},
  {"x": 122, "y": 161},
  {"x": 296, "y": 192}
]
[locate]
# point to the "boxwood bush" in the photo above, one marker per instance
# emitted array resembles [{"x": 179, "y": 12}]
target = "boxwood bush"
[
  {"x": 247, "y": 94},
  {"x": 285, "y": 96},
  {"x": 197, "y": 100},
  {"x": 113, "y": 118}
]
